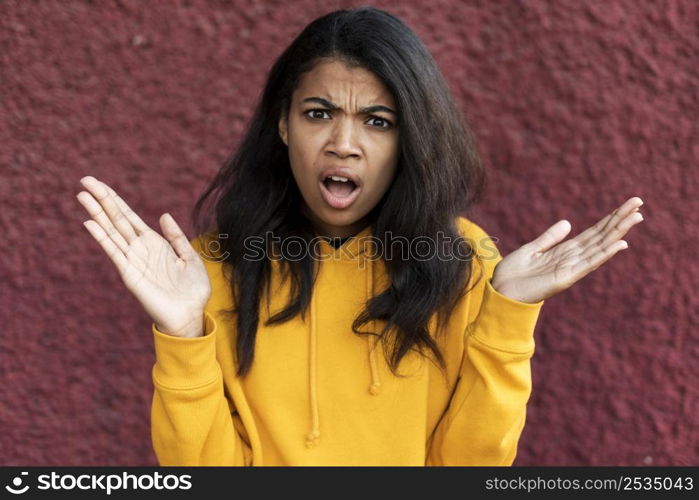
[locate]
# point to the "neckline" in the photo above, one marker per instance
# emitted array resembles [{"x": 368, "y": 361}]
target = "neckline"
[
  {"x": 350, "y": 249},
  {"x": 337, "y": 239}
]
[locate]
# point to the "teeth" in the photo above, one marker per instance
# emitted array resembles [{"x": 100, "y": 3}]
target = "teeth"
[{"x": 338, "y": 178}]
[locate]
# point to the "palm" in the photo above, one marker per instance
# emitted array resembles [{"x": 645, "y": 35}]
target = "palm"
[
  {"x": 167, "y": 276},
  {"x": 166, "y": 285},
  {"x": 538, "y": 270}
]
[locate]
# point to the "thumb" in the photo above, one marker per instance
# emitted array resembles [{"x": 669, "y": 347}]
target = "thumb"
[
  {"x": 552, "y": 236},
  {"x": 174, "y": 234}
]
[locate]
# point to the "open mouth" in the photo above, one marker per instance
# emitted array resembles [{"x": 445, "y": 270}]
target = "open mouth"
[
  {"x": 339, "y": 192},
  {"x": 339, "y": 186}
]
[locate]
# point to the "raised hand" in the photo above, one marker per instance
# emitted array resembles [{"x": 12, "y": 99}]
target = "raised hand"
[
  {"x": 165, "y": 275},
  {"x": 544, "y": 267}
]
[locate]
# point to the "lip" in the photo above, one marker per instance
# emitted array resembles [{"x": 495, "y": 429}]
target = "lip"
[
  {"x": 337, "y": 201},
  {"x": 342, "y": 172}
]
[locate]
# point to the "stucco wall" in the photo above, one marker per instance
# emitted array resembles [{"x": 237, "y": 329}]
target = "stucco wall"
[{"x": 577, "y": 106}]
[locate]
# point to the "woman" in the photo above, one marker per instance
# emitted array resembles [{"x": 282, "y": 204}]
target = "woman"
[{"x": 339, "y": 310}]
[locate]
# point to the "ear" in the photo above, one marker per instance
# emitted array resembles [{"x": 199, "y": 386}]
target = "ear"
[{"x": 283, "y": 129}]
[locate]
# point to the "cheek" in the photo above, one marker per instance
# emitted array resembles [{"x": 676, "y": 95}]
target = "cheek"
[
  {"x": 300, "y": 159},
  {"x": 303, "y": 150},
  {"x": 387, "y": 167},
  {"x": 382, "y": 180}
]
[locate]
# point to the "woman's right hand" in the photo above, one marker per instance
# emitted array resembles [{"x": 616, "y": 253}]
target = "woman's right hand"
[{"x": 165, "y": 275}]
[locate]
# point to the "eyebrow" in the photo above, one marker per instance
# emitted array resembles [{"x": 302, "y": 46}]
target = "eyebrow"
[{"x": 333, "y": 106}]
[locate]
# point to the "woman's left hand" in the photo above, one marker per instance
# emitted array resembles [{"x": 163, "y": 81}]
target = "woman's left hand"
[{"x": 538, "y": 270}]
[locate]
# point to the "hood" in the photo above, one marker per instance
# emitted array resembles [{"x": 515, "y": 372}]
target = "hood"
[{"x": 352, "y": 249}]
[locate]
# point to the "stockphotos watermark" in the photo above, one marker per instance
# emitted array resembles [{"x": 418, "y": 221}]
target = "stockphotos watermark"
[
  {"x": 102, "y": 482},
  {"x": 295, "y": 248}
]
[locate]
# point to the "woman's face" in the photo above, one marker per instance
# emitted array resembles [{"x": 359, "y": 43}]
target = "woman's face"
[{"x": 328, "y": 126}]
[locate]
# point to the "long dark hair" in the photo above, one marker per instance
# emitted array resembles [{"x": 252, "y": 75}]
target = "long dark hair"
[{"x": 438, "y": 176}]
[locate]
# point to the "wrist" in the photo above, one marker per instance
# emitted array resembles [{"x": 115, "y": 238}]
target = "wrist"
[
  {"x": 503, "y": 289},
  {"x": 513, "y": 293},
  {"x": 193, "y": 329}
]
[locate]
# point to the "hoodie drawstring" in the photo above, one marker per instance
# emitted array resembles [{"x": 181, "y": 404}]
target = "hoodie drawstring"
[
  {"x": 313, "y": 436},
  {"x": 375, "y": 386}
]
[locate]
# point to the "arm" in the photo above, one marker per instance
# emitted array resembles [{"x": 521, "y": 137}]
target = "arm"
[
  {"x": 191, "y": 420},
  {"x": 486, "y": 415},
  {"x": 487, "y": 411},
  {"x": 191, "y": 423}
]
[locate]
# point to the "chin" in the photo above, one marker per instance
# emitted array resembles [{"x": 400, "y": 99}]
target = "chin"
[
  {"x": 339, "y": 219},
  {"x": 336, "y": 218}
]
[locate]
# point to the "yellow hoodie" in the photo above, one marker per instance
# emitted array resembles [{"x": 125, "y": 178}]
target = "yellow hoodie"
[{"x": 318, "y": 394}]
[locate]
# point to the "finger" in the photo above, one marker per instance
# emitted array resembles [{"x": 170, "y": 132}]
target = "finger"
[
  {"x": 112, "y": 251},
  {"x": 593, "y": 261},
  {"x": 551, "y": 236},
  {"x": 99, "y": 190},
  {"x": 139, "y": 226},
  {"x": 594, "y": 231},
  {"x": 96, "y": 211},
  {"x": 612, "y": 234},
  {"x": 174, "y": 234}
]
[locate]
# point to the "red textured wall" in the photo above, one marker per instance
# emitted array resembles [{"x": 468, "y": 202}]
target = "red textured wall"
[{"x": 577, "y": 106}]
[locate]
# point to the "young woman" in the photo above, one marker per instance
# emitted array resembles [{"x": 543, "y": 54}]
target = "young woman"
[{"x": 335, "y": 308}]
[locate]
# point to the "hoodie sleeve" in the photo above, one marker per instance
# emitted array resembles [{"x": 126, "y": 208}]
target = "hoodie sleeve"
[
  {"x": 487, "y": 411},
  {"x": 191, "y": 420}
]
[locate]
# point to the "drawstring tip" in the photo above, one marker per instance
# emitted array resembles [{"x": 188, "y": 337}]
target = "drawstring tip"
[
  {"x": 312, "y": 439},
  {"x": 374, "y": 388}
]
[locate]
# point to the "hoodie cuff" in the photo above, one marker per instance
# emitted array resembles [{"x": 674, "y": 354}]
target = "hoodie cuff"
[
  {"x": 186, "y": 363},
  {"x": 504, "y": 323}
]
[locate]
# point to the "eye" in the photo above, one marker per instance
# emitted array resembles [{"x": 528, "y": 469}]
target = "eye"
[
  {"x": 310, "y": 112},
  {"x": 383, "y": 120},
  {"x": 384, "y": 123}
]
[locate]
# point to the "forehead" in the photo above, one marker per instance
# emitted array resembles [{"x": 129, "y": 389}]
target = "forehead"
[{"x": 336, "y": 81}]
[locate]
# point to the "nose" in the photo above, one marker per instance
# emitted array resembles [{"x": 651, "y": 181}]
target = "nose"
[{"x": 344, "y": 139}]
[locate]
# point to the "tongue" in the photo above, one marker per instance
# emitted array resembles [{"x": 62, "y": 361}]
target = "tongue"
[{"x": 339, "y": 188}]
